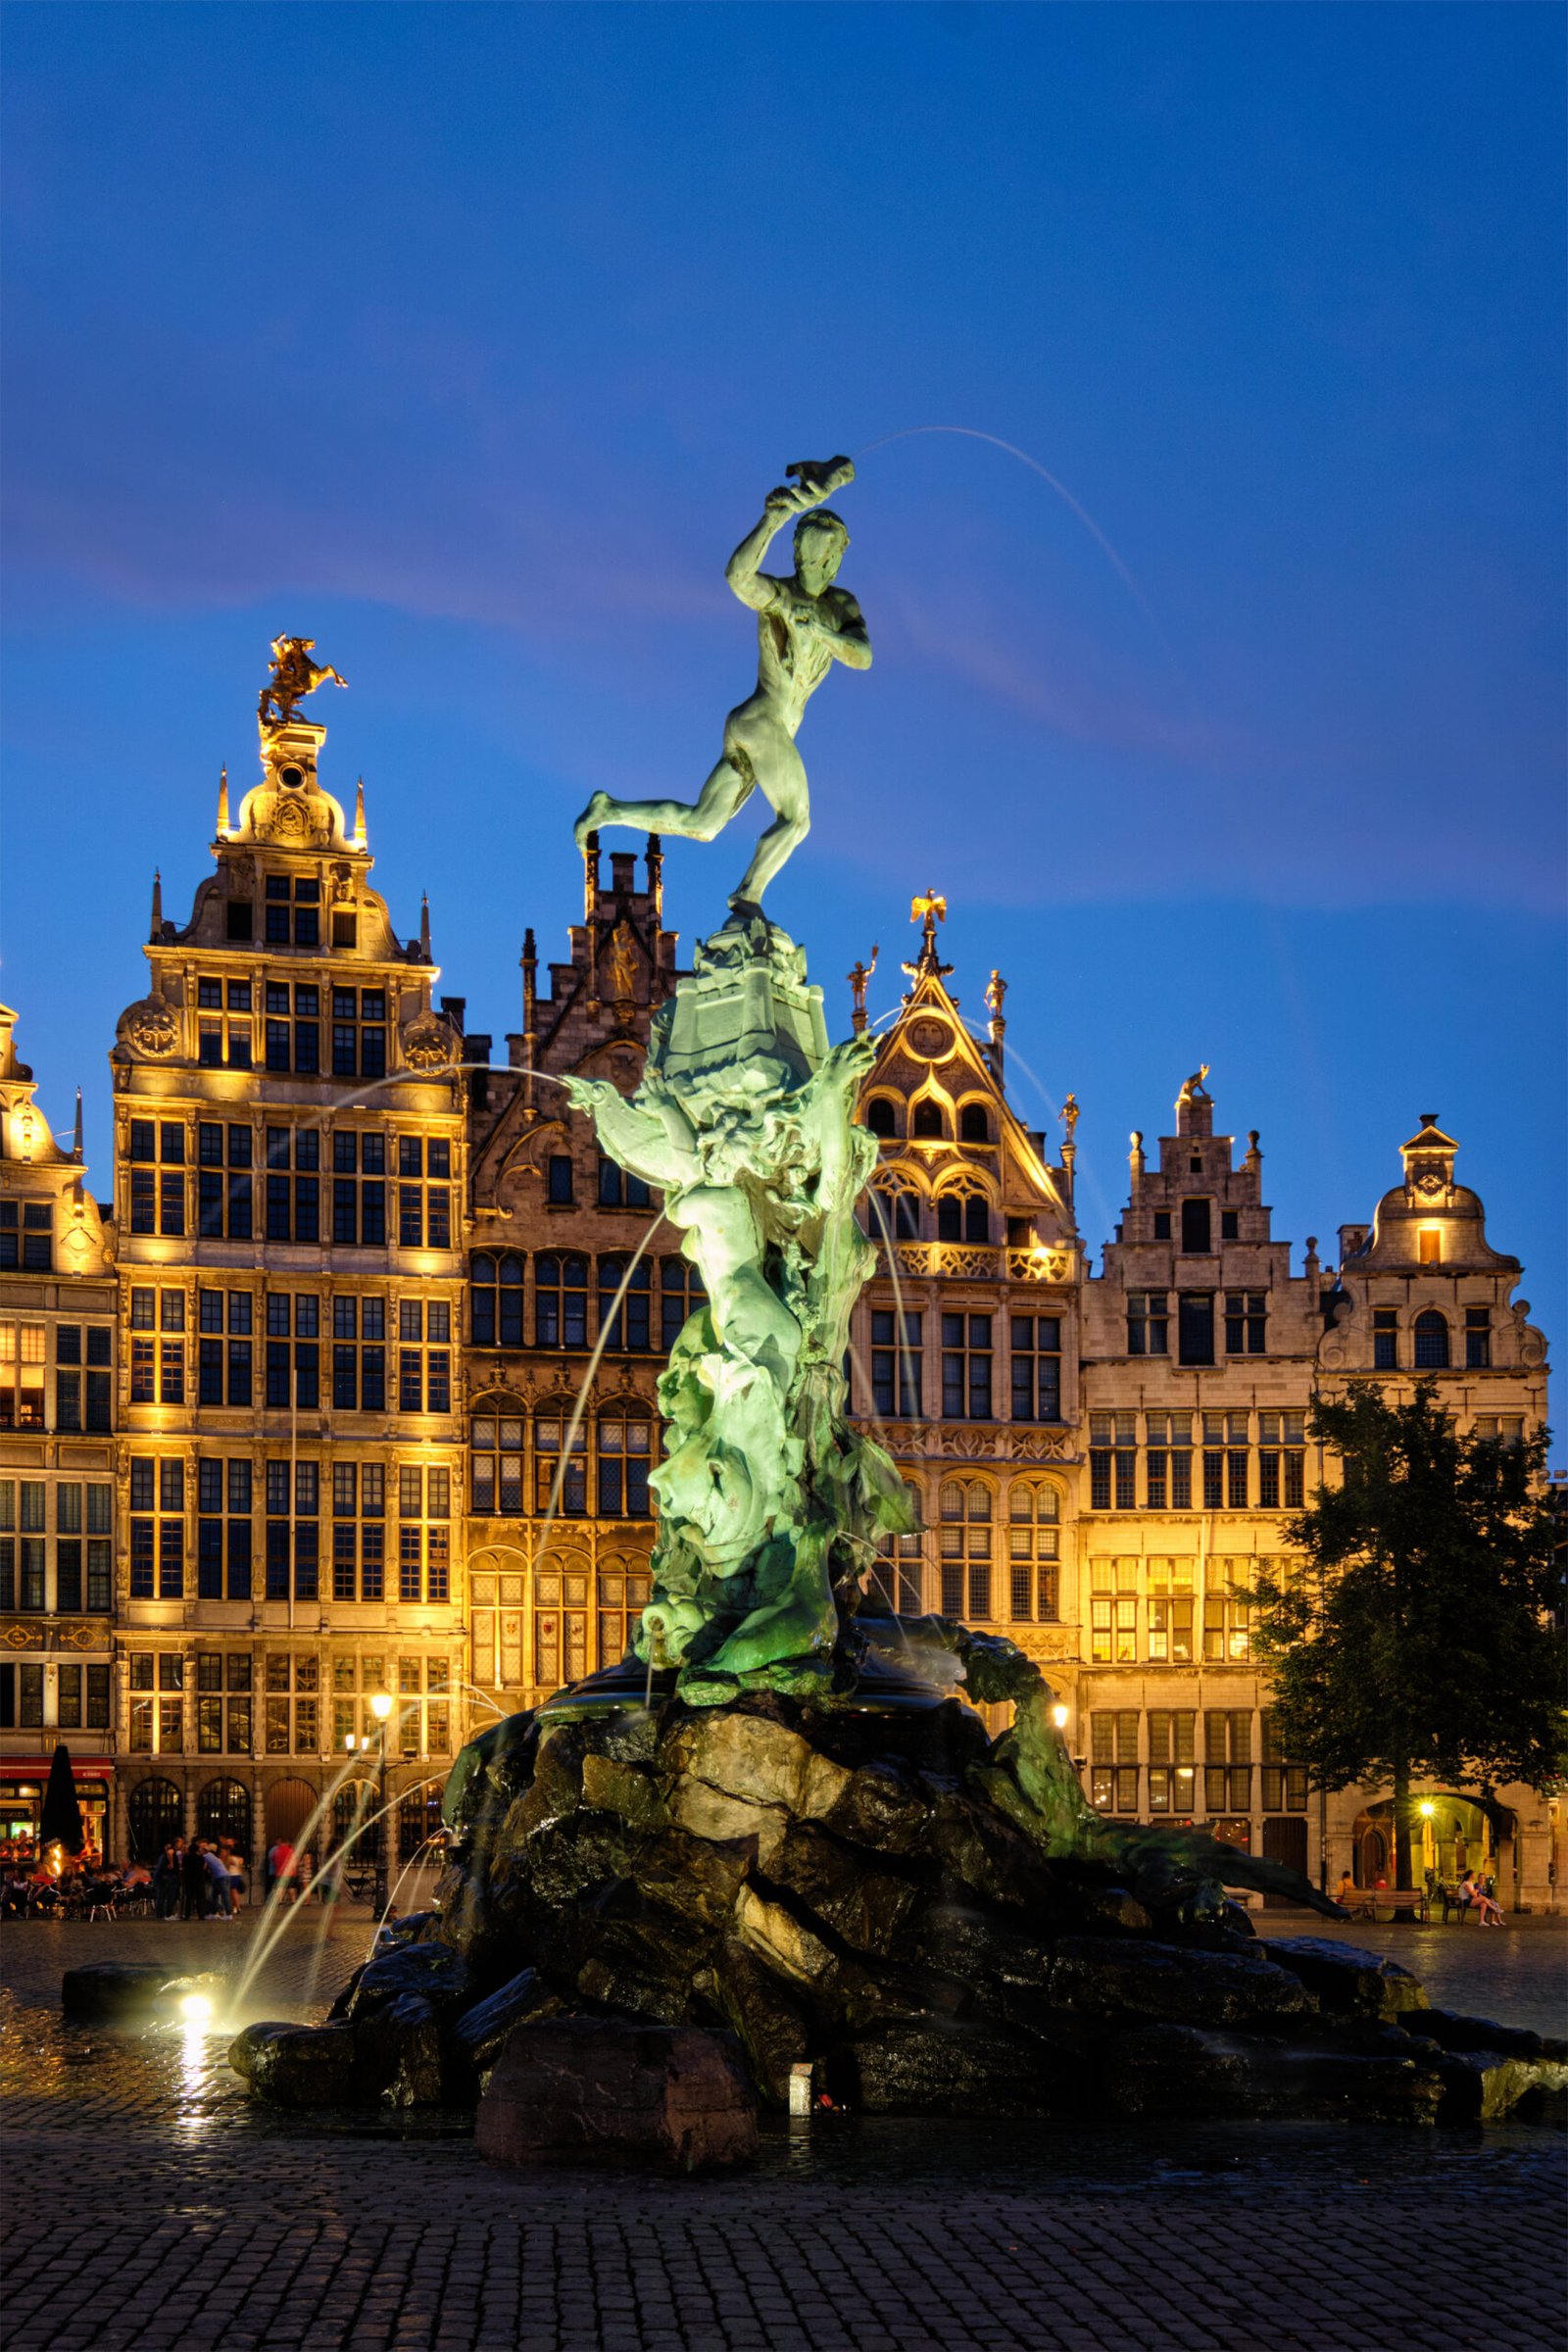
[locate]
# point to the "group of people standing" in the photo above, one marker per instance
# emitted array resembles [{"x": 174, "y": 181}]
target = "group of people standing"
[{"x": 200, "y": 1880}]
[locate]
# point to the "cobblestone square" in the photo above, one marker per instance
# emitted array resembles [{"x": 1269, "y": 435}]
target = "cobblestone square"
[{"x": 149, "y": 2205}]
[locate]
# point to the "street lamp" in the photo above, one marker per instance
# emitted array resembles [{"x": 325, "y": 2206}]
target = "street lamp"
[
  {"x": 1058, "y": 1715},
  {"x": 381, "y": 1708}
]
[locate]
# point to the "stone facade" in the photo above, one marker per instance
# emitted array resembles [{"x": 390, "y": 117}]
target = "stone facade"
[
  {"x": 57, "y": 1371},
  {"x": 382, "y": 1329},
  {"x": 289, "y": 1173}
]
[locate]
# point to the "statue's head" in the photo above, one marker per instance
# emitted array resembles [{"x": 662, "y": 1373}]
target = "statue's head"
[{"x": 820, "y": 539}]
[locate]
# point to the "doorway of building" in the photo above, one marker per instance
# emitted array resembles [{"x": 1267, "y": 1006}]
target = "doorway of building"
[
  {"x": 289, "y": 1805},
  {"x": 1285, "y": 1840}
]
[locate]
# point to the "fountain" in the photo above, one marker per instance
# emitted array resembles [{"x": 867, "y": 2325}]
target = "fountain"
[{"x": 773, "y": 1846}]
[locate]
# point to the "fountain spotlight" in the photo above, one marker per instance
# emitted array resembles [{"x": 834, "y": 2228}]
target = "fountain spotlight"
[{"x": 196, "y": 2009}]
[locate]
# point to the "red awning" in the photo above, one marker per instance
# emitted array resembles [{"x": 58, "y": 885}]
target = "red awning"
[{"x": 36, "y": 1768}]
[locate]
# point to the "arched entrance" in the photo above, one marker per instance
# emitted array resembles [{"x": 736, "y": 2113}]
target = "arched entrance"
[
  {"x": 289, "y": 1805},
  {"x": 156, "y": 1814},
  {"x": 1460, "y": 1834},
  {"x": 224, "y": 1810}
]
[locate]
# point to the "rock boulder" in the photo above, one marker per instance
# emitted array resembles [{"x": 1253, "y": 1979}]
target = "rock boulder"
[{"x": 576, "y": 2091}]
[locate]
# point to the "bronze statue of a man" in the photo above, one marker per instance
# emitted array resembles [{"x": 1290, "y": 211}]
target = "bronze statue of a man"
[
  {"x": 294, "y": 676},
  {"x": 805, "y": 625}
]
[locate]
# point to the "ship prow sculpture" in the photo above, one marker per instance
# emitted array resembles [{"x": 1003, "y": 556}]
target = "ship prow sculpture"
[{"x": 780, "y": 1819}]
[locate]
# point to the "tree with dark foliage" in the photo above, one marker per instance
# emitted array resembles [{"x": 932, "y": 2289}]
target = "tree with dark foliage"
[{"x": 1415, "y": 1630}]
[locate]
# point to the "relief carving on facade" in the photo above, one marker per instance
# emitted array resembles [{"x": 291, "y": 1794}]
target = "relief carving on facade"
[{"x": 150, "y": 1028}]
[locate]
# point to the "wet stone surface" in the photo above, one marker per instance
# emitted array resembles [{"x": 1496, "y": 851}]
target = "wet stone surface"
[{"x": 217, "y": 2221}]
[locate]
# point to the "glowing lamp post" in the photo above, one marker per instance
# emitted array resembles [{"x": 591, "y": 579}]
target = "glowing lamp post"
[
  {"x": 1426, "y": 1808},
  {"x": 381, "y": 1708}
]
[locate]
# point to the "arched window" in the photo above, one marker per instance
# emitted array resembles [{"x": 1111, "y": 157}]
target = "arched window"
[
  {"x": 880, "y": 1117},
  {"x": 560, "y": 1302},
  {"x": 893, "y": 1216},
  {"x": 897, "y": 1582},
  {"x": 1431, "y": 1341},
  {"x": 1034, "y": 1511},
  {"x": 927, "y": 1118},
  {"x": 626, "y": 1440},
  {"x": 495, "y": 1442},
  {"x": 622, "y": 1588},
  {"x": 157, "y": 1815},
  {"x": 351, "y": 1808},
  {"x": 224, "y": 1810},
  {"x": 626, "y": 1325},
  {"x": 419, "y": 1827},
  {"x": 561, "y": 1619},
  {"x": 680, "y": 1294},
  {"x": 497, "y": 1299},
  {"x": 550, "y": 1447},
  {"x": 974, "y": 1124},
  {"x": 965, "y": 1547}
]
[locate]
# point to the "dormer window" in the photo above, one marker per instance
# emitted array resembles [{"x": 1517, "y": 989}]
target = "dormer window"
[
  {"x": 880, "y": 1117},
  {"x": 974, "y": 1126},
  {"x": 1196, "y": 1229},
  {"x": 927, "y": 1120},
  {"x": 1430, "y": 1240}
]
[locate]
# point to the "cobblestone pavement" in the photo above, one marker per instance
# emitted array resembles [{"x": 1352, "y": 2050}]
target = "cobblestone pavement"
[{"x": 149, "y": 2205}]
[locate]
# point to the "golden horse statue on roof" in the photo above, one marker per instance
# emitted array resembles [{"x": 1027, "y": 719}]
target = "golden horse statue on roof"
[{"x": 294, "y": 676}]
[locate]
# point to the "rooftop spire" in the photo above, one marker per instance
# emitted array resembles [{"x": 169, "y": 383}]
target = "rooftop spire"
[
  {"x": 76, "y": 1148},
  {"x": 425, "y": 926},
  {"x": 158, "y": 905},
  {"x": 222, "y": 801},
  {"x": 360, "y": 839}
]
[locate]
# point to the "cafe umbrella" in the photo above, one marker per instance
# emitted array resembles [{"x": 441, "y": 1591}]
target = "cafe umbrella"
[{"x": 61, "y": 1820}]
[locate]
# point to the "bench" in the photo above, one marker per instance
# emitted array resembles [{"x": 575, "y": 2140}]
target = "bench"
[{"x": 1395, "y": 1900}]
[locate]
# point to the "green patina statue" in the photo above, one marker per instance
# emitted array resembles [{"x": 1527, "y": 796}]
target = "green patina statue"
[
  {"x": 771, "y": 1505},
  {"x": 804, "y": 625}
]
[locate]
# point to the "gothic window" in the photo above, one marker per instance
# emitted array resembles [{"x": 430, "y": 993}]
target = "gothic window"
[
  {"x": 1197, "y": 1234},
  {"x": 224, "y": 1530},
  {"x": 1247, "y": 1323},
  {"x": 425, "y": 1192},
  {"x": 293, "y": 1529},
  {"x": 1168, "y": 1465},
  {"x": 927, "y": 1119},
  {"x": 974, "y": 1124},
  {"x": 1431, "y": 1341},
  {"x": 680, "y": 1294},
  {"x": 157, "y": 1176},
  {"x": 359, "y": 1355},
  {"x": 223, "y": 1181},
  {"x": 625, "y": 1324},
  {"x": 898, "y": 1364},
  {"x": 1034, "y": 1510},
  {"x": 965, "y": 1543},
  {"x": 880, "y": 1117},
  {"x": 495, "y": 1442},
  {"x": 358, "y": 1530},
  {"x": 560, "y": 1302},
  {"x": 424, "y": 1356},
  {"x": 293, "y": 1042},
  {"x": 293, "y": 1376},
  {"x": 358, "y": 1190},
  {"x": 560, "y": 1462},
  {"x": 893, "y": 1215},
  {"x": 625, "y": 1438},
  {"x": 621, "y": 1590},
  {"x": 359, "y": 1033},
  {"x": 1149, "y": 1323},
  {"x": 1195, "y": 1327},
  {"x": 898, "y": 1581},
  {"x": 966, "y": 1362},
  {"x": 1036, "y": 1343},
  {"x": 497, "y": 1294},
  {"x": 294, "y": 1202}
]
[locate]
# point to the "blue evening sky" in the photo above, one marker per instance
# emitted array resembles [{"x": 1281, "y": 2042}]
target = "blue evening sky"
[{"x": 468, "y": 340}]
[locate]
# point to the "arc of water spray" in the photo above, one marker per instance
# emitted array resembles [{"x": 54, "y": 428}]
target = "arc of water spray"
[{"x": 1128, "y": 579}]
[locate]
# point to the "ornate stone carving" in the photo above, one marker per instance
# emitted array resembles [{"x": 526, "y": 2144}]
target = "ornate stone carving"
[
  {"x": 429, "y": 1045},
  {"x": 151, "y": 1028}
]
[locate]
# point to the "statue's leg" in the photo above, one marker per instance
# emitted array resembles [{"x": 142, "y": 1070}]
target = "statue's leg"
[
  {"x": 781, "y": 773},
  {"x": 695, "y": 821}
]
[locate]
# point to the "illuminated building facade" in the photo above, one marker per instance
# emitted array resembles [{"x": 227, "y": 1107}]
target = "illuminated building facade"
[
  {"x": 289, "y": 1172},
  {"x": 379, "y": 1330},
  {"x": 562, "y": 1429},
  {"x": 57, "y": 1370}
]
